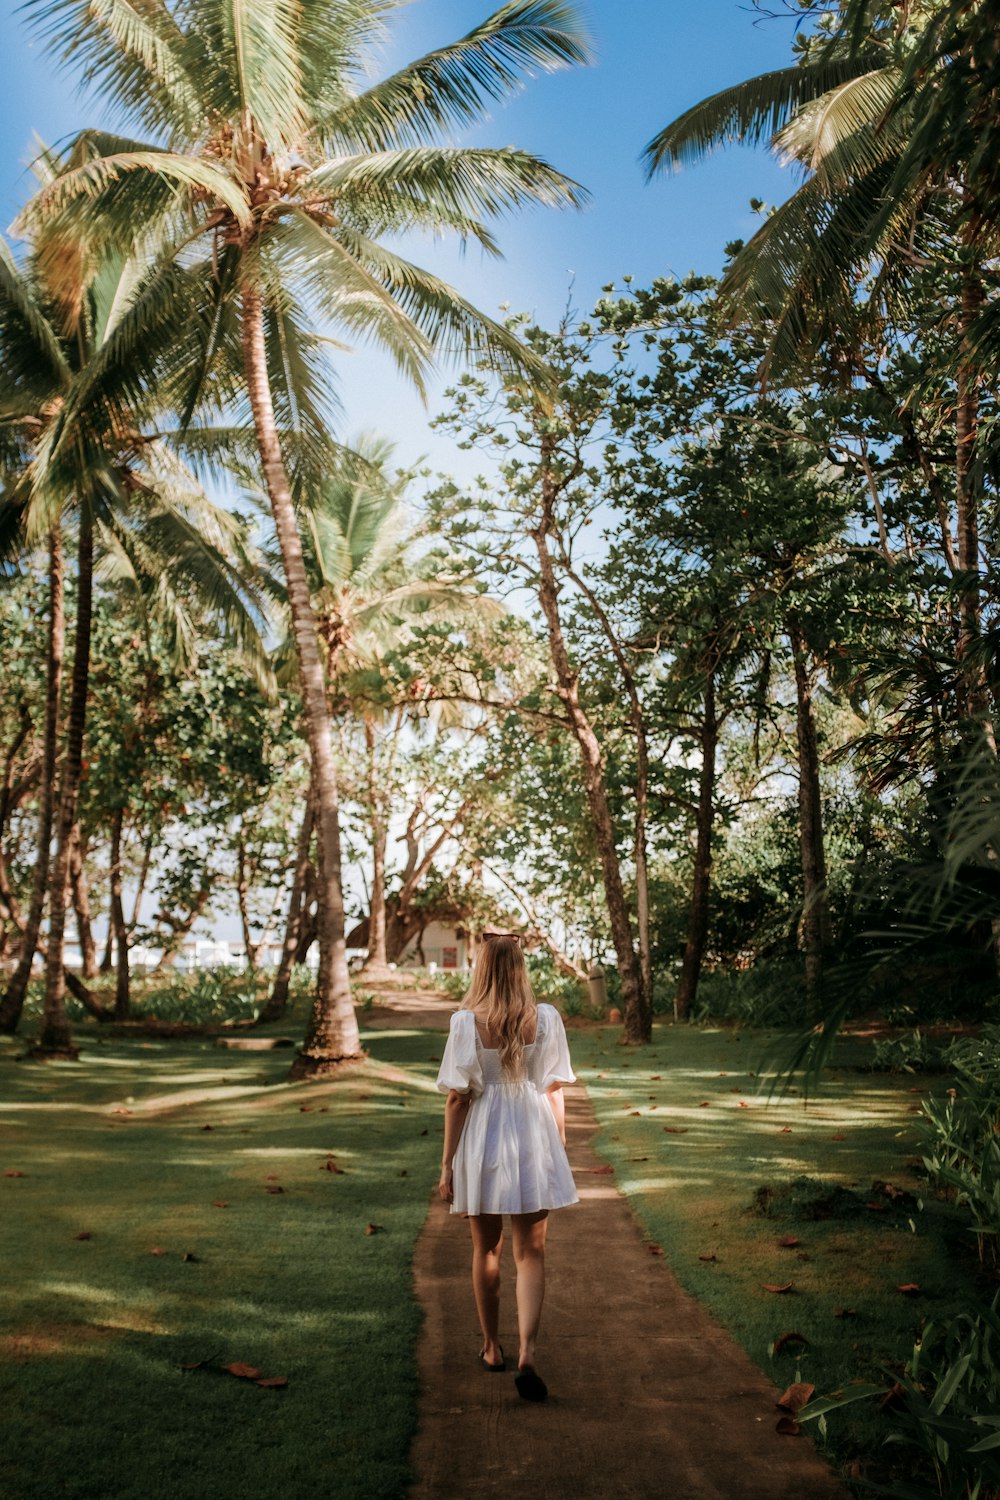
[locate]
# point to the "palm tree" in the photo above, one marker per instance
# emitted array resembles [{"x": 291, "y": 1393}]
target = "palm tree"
[
  {"x": 372, "y": 576},
  {"x": 281, "y": 181},
  {"x": 132, "y": 505},
  {"x": 888, "y": 120}
]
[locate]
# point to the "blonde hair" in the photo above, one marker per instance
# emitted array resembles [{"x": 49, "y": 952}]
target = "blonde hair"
[{"x": 502, "y": 995}]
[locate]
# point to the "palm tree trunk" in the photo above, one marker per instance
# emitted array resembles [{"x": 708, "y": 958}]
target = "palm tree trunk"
[
  {"x": 80, "y": 892},
  {"x": 332, "y": 1034},
  {"x": 13, "y": 1001},
  {"x": 377, "y": 957},
  {"x": 278, "y": 998},
  {"x": 117, "y": 920},
  {"x": 697, "y": 926},
  {"x": 816, "y": 909},
  {"x": 56, "y": 1039}
]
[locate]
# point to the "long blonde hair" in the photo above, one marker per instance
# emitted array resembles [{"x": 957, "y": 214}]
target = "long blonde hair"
[{"x": 502, "y": 995}]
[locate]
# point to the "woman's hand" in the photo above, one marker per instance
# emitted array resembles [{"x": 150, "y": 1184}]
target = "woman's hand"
[{"x": 445, "y": 1186}]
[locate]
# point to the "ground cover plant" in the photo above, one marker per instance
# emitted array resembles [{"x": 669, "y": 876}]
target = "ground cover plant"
[
  {"x": 170, "y": 1202},
  {"x": 793, "y": 1216}
]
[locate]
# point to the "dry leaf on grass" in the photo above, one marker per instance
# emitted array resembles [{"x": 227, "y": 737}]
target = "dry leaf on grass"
[
  {"x": 158, "y": 1250},
  {"x": 843, "y": 1312},
  {"x": 655, "y": 1249},
  {"x": 219, "y": 1203},
  {"x": 273, "y": 1382},
  {"x": 785, "y": 1130},
  {"x": 789, "y": 1241},
  {"x": 243, "y": 1372},
  {"x": 374, "y": 1229},
  {"x": 85, "y": 1234},
  {"x": 274, "y": 1188},
  {"x": 13, "y": 1173},
  {"x": 795, "y": 1396},
  {"x": 787, "y": 1426},
  {"x": 601, "y": 1171},
  {"x": 770, "y": 1286},
  {"x": 709, "y": 1255},
  {"x": 909, "y": 1287}
]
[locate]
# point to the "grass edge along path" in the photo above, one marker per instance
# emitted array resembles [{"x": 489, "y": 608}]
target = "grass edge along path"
[
  {"x": 176, "y": 1204},
  {"x": 691, "y": 1138}
]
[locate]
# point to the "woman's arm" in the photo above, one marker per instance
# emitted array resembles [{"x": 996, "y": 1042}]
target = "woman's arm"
[
  {"x": 455, "y": 1110},
  {"x": 558, "y": 1103}
]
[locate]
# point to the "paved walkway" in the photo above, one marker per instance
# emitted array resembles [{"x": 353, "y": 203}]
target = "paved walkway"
[{"x": 649, "y": 1397}]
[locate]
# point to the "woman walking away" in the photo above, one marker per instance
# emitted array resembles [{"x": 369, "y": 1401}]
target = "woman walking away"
[{"x": 505, "y": 1140}]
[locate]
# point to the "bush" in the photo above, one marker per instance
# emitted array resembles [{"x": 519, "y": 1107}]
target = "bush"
[
  {"x": 771, "y": 993},
  {"x": 964, "y": 1137},
  {"x": 913, "y": 1053}
]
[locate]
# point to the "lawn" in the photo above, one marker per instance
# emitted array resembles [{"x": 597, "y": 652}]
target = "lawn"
[
  {"x": 176, "y": 1206},
  {"x": 707, "y": 1164}
]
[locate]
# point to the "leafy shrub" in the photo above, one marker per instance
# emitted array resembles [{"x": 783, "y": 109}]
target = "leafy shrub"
[
  {"x": 453, "y": 984},
  {"x": 913, "y": 1053},
  {"x": 963, "y": 1153},
  {"x": 945, "y": 1407},
  {"x": 771, "y": 993}
]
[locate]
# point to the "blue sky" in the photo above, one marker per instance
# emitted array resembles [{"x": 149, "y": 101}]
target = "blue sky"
[{"x": 654, "y": 59}]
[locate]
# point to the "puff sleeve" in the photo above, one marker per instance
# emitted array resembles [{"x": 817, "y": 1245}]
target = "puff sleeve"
[
  {"x": 460, "y": 1066},
  {"x": 556, "y": 1066}
]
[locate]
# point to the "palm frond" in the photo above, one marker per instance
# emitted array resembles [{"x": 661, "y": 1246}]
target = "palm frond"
[
  {"x": 256, "y": 53},
  {"x": 454, "y": 85},
  {"x": 31, "y": 354},
  {"x": 854, "y": 108},
  {"x": 753, "y": 111}
]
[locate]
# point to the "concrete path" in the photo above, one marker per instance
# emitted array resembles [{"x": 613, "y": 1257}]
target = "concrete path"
[{"x": 649, "y": 1397}]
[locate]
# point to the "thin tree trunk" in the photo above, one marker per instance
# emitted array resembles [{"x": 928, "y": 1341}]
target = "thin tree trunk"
[
  {"x": 377, "y": 958},
  {"x": 967, "y": 508},
  {"x": 13, "y": 1000},
  {"x": 179, "y": 930},
  {"x": 116, "y": 917},
  {"x": 56, "y": 1039},
  {"x": 697, "y": 925},
  {"x": 816, "y": 909},
  {"x": 333, "y": 1028},
  {"x": 80, "y": 890},
  {"x": 250, "y": 948},
  {"x": 637, "y": 1010},
  {"x": 278, "y": 998}
]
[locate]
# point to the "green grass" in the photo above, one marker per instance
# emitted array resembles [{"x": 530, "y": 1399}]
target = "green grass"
[
  {"x": 693, "y": 1194},
  {"x": 93, "y": 1332}
]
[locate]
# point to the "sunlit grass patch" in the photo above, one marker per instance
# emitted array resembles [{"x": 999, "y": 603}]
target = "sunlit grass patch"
[
  {"x": 691, "y": 1134},
  {"x": 180, "y": 1202}
]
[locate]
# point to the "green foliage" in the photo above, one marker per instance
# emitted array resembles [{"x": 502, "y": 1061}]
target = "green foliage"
[
  {"x": 768, "y": 993},
  {"x": 963, "y": 1146},
  {"x": 915, "y": 1052}
]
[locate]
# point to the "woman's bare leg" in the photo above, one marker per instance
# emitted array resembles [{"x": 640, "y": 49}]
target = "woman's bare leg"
[
  {"x": 487, "y": 1242},
  {"x": 529, "y": 1257}
]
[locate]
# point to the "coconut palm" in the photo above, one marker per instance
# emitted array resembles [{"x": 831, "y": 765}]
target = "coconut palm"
[
  {"x": 136, "y": 512},
  {"x": 885, "y": 194},
  {"x": 279, "y": 178},
  {"x": 373, "y": 575}
]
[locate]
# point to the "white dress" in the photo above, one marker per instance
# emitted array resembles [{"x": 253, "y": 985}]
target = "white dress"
[{"x": 510, "y": 1159}]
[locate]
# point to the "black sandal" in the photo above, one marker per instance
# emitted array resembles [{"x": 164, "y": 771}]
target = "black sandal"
[
  {"x": 530, "y": 1385},
  {"x": 493, "y": 1369}
]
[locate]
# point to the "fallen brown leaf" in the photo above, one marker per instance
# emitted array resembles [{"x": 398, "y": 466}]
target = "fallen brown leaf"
[
  {"x": 704, "y": 1104},
  {"x": 159, "y": 1250},
  {"x": 909, "y": 1287},
  {"x": 838, "y": 1137},
  {"x": 243, "y": 1372},
  {"x": 787, "y": 1426},
  {"x": 331, "y": 1166},
  {"x": 13, "y": 1173},
  {"x": 770, "y": 1286},
  {"x": 304, "y": 1109},
  {"x": 789, "y": 1241},
  {"x": 843, "y": 1312},
  {"x": 274, "y": 1187},
  {"x": 204, "y": 1127},
  {"x": 655, "y": 1249},
  {"x": 795, "y": 1396},
  {"x": 85, "y": 1234},
  {"x": 602, "y": 1171},
  {"x": 374, "y": 1229},
  {"x": 219, "y": 1203},
  {"x": 709, "y": 1256},
  {"x": 273, "y": 1382},
  {"x": 676, "y": 1129},
  {"x": 785, "y": 1130}
]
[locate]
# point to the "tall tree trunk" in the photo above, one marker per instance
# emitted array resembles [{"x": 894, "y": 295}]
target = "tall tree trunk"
[
  {"x": 377, "y": 958},
  {"x": 697, "y": 925},
  {"x": 816, "y": 908},
  {"x": 278, "y": 998},
  {"x": 250, "y": 948},
  {"x": 56, "y": 1039},
  {"x": 13, "y": 1001},
  {"x": 636, "y": 1004},
  {"x": 333, "y": 1028},
  {"x": 80, "y": 892},
  {"x": 116, "y": 918},
  {"x": 977, "y": 703}
]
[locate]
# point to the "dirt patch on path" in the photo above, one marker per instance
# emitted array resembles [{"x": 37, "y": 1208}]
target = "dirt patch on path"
[{"x": 650, "y": 1397}]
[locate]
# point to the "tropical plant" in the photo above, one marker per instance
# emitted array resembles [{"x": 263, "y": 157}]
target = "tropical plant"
[
  {"x": 134, "y": 508},
  {"x": 277, "y": 180}
]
